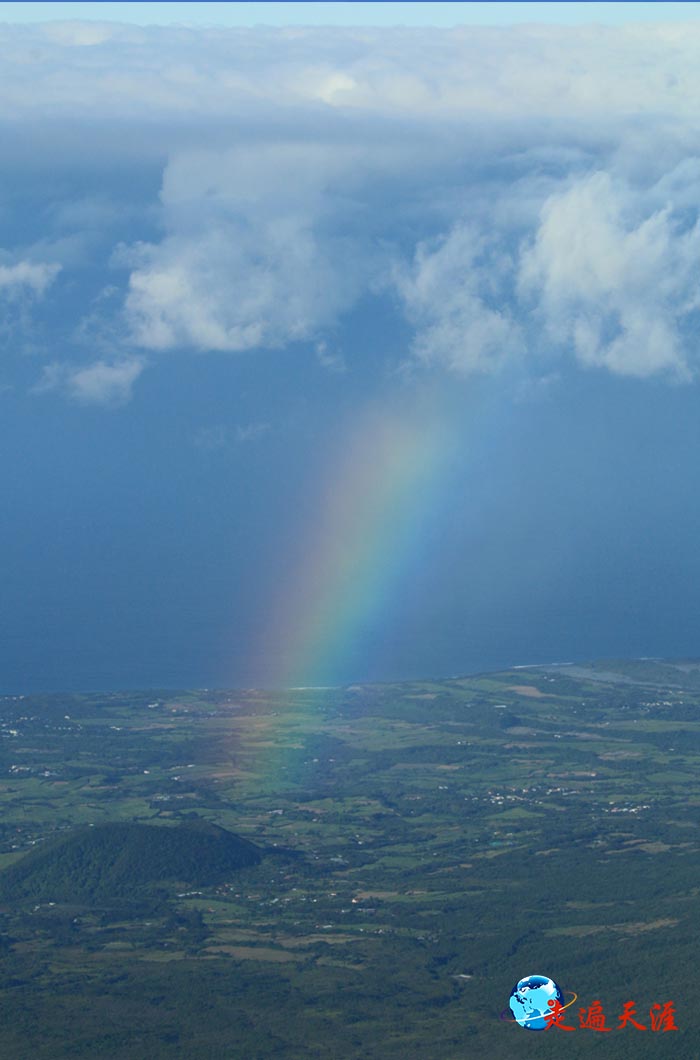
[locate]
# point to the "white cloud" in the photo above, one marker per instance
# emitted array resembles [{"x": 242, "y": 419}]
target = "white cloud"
[
  {"x": 330, "y": 359},
  {"x": 518, "y": 194},
  {"x": 270, "y": 244},
  {"x": 455, "y": 293},
  {"x": 228, "y": 290},
  {"x": 616, "y": 276},
  {"x": 251, "y": 432},
  {"x": 99, "y": 383},
  {"x": 25, "y": 277},
  {"x": 219, "y": 436},
  {"x": 255, "y": 254},
  {"x": 23, "y": 285},
  {"x": 525, "y": 70}
]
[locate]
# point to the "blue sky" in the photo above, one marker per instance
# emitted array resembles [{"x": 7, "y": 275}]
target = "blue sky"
[
  {"x": 359, "y": 13},
  {"x": 230, "y": 259}
]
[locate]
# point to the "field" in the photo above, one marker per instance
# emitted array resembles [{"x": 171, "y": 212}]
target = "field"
[{"x": 426, "y": 846}]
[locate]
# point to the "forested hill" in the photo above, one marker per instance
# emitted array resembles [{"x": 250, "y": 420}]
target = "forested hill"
[{"x": 118, "y": 859}]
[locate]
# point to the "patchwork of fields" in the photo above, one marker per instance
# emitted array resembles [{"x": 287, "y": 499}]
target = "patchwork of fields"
[{"x": 426, "y": 845}]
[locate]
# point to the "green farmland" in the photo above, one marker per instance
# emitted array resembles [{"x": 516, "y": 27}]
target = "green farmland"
[{"x": 425, "y": 846}]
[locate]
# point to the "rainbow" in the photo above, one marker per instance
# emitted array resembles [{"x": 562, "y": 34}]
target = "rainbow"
[
  {"x": 361, "y": 538},
  {"x": 363, "y": 535}
]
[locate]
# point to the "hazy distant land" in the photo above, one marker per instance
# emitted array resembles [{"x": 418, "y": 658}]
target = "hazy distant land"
[{"x": 423, "y": 846}]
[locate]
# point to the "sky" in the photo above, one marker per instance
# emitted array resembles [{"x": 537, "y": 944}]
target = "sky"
[
  {"x": 360, "y": 12},
  {"x": 337, "y": 353}
]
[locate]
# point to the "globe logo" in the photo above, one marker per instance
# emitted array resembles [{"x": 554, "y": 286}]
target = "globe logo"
[{"x": 533, "y": 1000}]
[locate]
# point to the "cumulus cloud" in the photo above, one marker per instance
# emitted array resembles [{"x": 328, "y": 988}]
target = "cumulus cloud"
[
  {"x": 513, "y": 194},
  {"x": 456, "y": 295},
  {"x": 256, "y": 254},
  {"x": 99, "y": 383},
  {"x": 616, "y": 276},
  {"x": 225, "y": 291},
  {"x": 270, "y": 244}
]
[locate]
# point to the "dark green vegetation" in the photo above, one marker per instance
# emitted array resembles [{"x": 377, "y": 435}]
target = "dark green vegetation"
[
  {"x": 123, "y": 859},
  {"x": 426, "y": 845}
]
